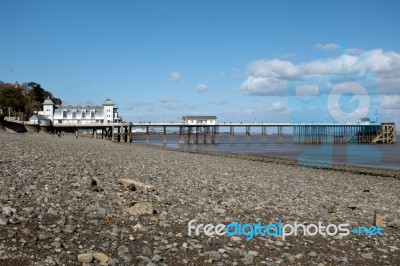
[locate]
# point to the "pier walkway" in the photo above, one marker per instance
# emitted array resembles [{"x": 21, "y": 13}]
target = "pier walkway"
[{"x": 315, "y": 133}]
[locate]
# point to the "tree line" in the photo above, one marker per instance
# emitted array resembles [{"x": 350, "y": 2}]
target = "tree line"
[{"x": 23, "y": 99}]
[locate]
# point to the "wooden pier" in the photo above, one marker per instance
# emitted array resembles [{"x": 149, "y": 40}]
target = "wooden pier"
[{"x": 313, "y": 133}]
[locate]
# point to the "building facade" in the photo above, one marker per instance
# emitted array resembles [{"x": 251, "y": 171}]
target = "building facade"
[
  {"x": 199, "y": 120},
  {"x": 76, "y": 114}
]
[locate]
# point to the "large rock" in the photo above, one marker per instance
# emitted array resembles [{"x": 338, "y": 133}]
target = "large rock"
[
  {"x": 133, "y": 185},
  {"x": 141, "y": 208},
  {"x": 101, "y": 257},
  {"x": 85, "y": 258},
  {"x": 378, "y": 221}
]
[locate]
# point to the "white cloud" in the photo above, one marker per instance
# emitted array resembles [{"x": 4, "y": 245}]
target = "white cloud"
[
  {"x": 390, "y": 101},
  {"x": 174, "y": 76},
  {"x": 278, "y": 107},
  {"x": 327, "y": 46},
  {"x": 354, "y": 51},
  {"x": 201, "y": 88},
  {"x": 307, "y": 90},
  {"x": 269, "y": 77}
]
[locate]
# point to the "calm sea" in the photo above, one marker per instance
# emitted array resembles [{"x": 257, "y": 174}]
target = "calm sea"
[{"x": 367, "y": 155}]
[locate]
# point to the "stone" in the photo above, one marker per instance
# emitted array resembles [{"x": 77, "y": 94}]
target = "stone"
[
  {"x": 3, "y": 221},
  {"x": 367, "y": 256},
  {"x": 352, "y": 206},
  {"x": 253, "y": 253},
  {"x": 123, "y": 249},
  {"x": 236, "y": 238},
  {"x": 378, "y": 221},
  {"x": 157, "y": 258},
  {"x": 67, "y": 256},
  {"x": 85, "y": 258},
  {"x": 213, "y": 255},
  {"x": 332, "y": 209},
  {"x": 140, "y": 208},
  {"x": 8, "y": 211},
  {"x": 52, "y": 211},
  {"x": 279, "y": 243},
  {"x": 101, "y": 257},
  {"x": 69, "y": 229},
  {"x": 25, "y": 231},
  {"x": 312, "y": 254},
  {"x": 382, "y": 250},
  {"x": 147, "y": 252},
  {"x": 219, "y": 210},
  {"x": 133, "y": 185}
]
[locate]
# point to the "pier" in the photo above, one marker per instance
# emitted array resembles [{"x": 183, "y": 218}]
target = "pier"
[{"x": 313, "y": 133}]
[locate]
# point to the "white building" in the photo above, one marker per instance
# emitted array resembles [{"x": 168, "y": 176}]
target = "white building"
[
  {"x": 76, "y": 115},
  {"x": 40, "y": 120},
  {"x": 199, "y": 120}
]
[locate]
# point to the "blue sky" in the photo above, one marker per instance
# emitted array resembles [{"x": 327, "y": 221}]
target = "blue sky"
[{"x": 160, "y": 60}]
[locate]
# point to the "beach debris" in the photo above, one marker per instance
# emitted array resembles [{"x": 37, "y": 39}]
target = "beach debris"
[
  {"x": 95, "y": 186},
  {"x": 352, "y": 206},
  {"x": 133, "y": 185},
  {"x": 378, "y": 221},
  {"x": 332, "y": 209}
]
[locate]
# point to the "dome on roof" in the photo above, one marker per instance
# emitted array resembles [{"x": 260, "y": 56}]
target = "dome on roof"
[
  {"x": 48, "y": 101},
  {"x": 108, "y": 102}
]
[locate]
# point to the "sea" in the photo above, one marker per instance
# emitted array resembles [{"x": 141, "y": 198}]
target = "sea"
[{"x": 365, "y": 155}]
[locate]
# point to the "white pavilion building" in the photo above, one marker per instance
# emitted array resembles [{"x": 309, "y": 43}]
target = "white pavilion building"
[{"x": 77, "y": 115}]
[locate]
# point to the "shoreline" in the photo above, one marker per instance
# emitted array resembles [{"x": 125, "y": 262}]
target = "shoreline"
[
  {"x": 376, "y": 171},
  {"x": 61, "y": 201}
]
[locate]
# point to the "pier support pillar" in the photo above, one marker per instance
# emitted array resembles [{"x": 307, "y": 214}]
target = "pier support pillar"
[
  {"x": 215, "y": 135},
  {"x": 125, "y": 134},
  {"x": 181, "y": 135},
  {"x": 119, "y": 133},
  {"x": 207, "y": 133},
  {"x": 264, "y": 135},
  {"x": 247, "y": 134},
  {"x": 199, "y": 135},
  {"x": 130, "y": 134},
  {"x": 164, "y": 135},
  {"x": 232, "y": 135},
  {"x": 280, "y": 135},
  {"x": 190, "y": 135},
  {"x": 147, "y": 134}
]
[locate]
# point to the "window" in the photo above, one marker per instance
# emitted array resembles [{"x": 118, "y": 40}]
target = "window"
[
  {"x": 64, "y": 114},
  {"x": 83, "y": 114},
  {"x": 92, "y": 114},
  {"x": 73, "y": 114}
]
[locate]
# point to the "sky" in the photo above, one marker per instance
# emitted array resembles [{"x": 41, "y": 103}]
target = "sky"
[{"x": 243, "y": 61}]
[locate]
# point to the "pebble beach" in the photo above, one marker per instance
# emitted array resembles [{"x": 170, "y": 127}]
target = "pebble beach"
[{"x": 62, "y": 203}]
